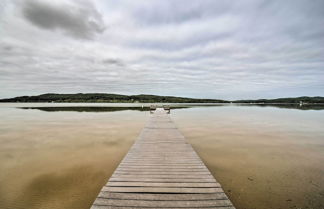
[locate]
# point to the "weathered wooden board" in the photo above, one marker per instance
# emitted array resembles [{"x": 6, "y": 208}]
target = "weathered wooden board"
[
  {"x": 169, "y": 197},
  {"x": 161, "y": 170}
]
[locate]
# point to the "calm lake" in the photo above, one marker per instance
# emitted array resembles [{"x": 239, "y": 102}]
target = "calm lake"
[{"x": 58, "y": 156}]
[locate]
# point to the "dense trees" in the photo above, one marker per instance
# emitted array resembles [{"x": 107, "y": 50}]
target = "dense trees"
[{"x": 142, "y": 98}]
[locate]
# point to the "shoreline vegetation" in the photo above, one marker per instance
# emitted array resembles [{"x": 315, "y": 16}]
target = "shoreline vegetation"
[{"x": 143, "y": 98}]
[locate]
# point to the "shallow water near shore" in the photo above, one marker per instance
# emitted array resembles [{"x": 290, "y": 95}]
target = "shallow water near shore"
[
  {"x": 264, "y": 157},
  {"x": 60, "y": 160}
]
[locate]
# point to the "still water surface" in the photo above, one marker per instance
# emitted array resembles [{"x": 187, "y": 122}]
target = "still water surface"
[{"x": 264, "y": 157}]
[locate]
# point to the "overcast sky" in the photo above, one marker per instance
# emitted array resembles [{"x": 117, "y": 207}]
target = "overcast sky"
[{"x": 198, "y": 48}]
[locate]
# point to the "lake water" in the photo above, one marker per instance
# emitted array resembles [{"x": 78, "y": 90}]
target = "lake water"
[{"x": 59, "y": 158}]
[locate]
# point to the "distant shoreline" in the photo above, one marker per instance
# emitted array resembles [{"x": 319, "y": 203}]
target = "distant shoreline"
[{"x": 142, "y": 98}]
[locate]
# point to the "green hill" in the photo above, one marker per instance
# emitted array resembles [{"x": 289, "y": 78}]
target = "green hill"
[
  {"x": 143, "y": 98},
  {"x": 109, "y": 98}
]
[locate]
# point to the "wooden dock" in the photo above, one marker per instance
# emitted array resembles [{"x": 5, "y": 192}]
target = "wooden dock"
[{"x": 161, "y": 170}]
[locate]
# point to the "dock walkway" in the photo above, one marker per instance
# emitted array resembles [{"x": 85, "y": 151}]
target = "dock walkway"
[{"x": 161, "y": 170}]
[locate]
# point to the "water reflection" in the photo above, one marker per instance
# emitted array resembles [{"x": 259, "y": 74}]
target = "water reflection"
[
  {"x": 86, "y": 109},
  {"x": 145, "y": 107},
  {"x": 61, "y": 160},
  {"x": 290, "y": 106},
  {"x": 265, "y": 158},
  {"x": 55, "y": 157},
  {"x": 92, "y": 109}
]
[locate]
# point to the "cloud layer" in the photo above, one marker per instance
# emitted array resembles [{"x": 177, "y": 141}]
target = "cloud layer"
[{"x": 215, "y": 49}]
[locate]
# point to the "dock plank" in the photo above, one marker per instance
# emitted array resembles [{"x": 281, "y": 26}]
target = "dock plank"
[
  {"x": 163, "y": 203},
  {"x": 161, "y": 184},
  {"x": 166, "y": 197}
]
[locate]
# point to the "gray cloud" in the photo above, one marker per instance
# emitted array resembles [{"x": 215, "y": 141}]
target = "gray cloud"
[
  {"x": 82, "y": 21},
  {"x": 112, "y": 61}
]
